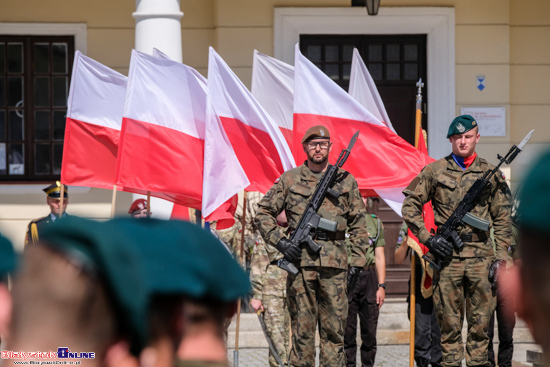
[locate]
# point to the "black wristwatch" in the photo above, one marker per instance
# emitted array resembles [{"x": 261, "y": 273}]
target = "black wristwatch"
[{"x": 382, "y": 285}]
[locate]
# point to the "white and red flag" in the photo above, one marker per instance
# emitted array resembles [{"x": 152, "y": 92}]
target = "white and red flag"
[
  {"x": 162, "y": 138},
  {"x": 92, "y": 130},
  {"x": 363, "y": 89},
  {"x": 223, "y": 177},
  {"x": 273, "y": 86},
  {"x": 380, "y": 158},
  {"x": 256, "y": 139}
]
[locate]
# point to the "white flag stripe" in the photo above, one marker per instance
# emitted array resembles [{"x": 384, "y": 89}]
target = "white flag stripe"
[
  {"x": 229, "y": 95},
  {"x": 341, "y": 104},
  {"x": 393, "y": 197},
  {"x": 223, "y": 175},
  {"x": 157, "y": 94},
  {"x": 273, "y": 87},
  {"x": 97, "y": 93},
  {"x": 363, "y": 89}
]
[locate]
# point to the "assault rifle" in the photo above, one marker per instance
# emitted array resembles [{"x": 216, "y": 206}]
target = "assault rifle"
[
  {"x": 462, "y": 213},
  {"x": 310, "y": 220}
]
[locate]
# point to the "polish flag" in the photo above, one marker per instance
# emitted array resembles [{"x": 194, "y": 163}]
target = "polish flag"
[
  {"x": 273, "y": 87},
  {"x": 255, "y": 137},
  {"x": 363, "y": 89},
  {"x": 223, "y": 176},
  {"x": 380, "y": 158},
  {"x": 92, "y": 129},
  {"x": 163, "y": 128}
]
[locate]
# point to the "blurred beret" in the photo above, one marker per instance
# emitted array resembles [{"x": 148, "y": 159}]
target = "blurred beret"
[
  {"x": 93, "y": 246},
  {"x": 138, "y": 204},
  {"x": 182, "y": 258},
  {"x": 461, "y": 124},
  {"x": 315, "y": 132},
  {"x": 8, "y": 258},
  {"x": 534, "y": 198}
]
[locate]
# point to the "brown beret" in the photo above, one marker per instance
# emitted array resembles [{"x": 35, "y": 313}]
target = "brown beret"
[{"x": 315, "y": 132}]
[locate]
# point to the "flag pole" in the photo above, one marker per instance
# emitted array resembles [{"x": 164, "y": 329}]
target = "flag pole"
[
  {"x": 148, "y": 204},
  {"x": 113, "y": 202},
  {"x": 61, "y": 199},
  {"x": 241, "y": 254},
  {"x": 412, "y": 304}
]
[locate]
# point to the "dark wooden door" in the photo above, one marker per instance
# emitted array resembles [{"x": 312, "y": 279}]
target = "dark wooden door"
[{"x": 395, "y": 62}]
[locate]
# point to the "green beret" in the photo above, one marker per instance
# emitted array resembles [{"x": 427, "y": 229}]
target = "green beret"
[
  {"x": 316, "y": 132},
  {"x": 461, "y": 124},
  {"x": 8, "y": 259},
  {"x": 534, "y": 198},
  {"x": 182, "y": 258},
  {"x": 101, "y": 250}
]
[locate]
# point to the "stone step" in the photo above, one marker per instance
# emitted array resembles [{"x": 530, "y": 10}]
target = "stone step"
[{"x": 393, "y": 328}]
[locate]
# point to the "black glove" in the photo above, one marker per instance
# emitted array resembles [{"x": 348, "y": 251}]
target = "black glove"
[
  {"x": 457, "y": 241},
  {"x": 289, "y": 250},
  {"x": 439, "y": 246},
  {"x": 353, "y": 276},
  {"x": 494, "y": 272}
]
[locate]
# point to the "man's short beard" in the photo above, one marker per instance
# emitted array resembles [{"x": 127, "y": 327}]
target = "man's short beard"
[{"x": 318, "y": 161}]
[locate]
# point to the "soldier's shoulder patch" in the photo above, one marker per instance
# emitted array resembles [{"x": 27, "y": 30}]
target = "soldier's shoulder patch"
[
  {"x": 373, "y": 215},
  {"x": 40, "y": 219}
]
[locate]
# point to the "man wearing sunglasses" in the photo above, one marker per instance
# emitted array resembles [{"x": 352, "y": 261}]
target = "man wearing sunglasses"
[{"x": 316, "y": 295}]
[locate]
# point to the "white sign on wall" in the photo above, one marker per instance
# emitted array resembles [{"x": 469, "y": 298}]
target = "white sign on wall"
[{"x": 491, "y": 120}]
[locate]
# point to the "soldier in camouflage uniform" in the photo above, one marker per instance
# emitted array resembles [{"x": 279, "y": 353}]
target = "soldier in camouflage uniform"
[
  {"x": 464, "y": 282},
  {"x": 367, "y": 298},
  {"x": 269, "y": 294},
  {"x": 316, "y": 295}
]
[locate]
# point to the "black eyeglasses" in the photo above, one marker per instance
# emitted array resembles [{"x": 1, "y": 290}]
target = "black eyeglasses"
[{"x": 322, "y": 144}]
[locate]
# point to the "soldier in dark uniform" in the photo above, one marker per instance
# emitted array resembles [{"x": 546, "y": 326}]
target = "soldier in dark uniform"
[
  {"x": 464, "y": 283},
  {"x": 316, "y": 295},
  {"x": 53, "y": 199},
  {"x": 367, "y": 298}
]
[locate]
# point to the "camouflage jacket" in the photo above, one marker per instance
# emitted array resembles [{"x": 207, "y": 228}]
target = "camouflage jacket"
[
  {"x": 445, "y": 183},
  {"x": 293, "y": 191},
  {"x": 266, "y": 278}
]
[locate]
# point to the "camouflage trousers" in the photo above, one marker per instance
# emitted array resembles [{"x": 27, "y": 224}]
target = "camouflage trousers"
[
  {"x": 316, "y": 296},
  {"x": 277, "y": 323},
  {"x": 464, "y": 284}
]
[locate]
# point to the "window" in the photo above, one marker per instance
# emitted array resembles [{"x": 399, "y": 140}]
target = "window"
[{"x": 34, "y": 85}]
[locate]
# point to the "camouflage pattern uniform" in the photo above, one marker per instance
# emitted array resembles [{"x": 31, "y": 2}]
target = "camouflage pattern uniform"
[
  {"x": 269, "y": 286},
  {"x": 464, "y": 282},
  {"x": 362, "y": 302},
  {"x": 316, "y": 295}
]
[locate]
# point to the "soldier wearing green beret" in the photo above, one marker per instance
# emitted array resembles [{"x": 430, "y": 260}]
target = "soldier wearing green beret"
[
  {"x": 464, "y": 283},
  {"x": 80, "y": 290},
  {"x": 53, "y": 199},
  {"x": 316, "y": 295},
  {"x": 8, "y": 264},
  {"x": 530, "y": 281},
  {"x": 194, "y": 284}
]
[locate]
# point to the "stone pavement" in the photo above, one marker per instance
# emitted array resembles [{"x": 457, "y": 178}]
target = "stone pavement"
[{"x": 387, "y": 356}]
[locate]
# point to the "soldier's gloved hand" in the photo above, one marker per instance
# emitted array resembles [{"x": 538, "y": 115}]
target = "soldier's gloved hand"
[
  {"x": 495, "y": 270},
  {"x": 290, "y": 251},
  {"x": 456, "y": 239},
  {"x": 439, "y": 246},
  {"x": 353, "y": 276}
]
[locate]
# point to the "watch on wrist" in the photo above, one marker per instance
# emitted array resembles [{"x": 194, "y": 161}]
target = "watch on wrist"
[{"x": 382, "y": 285}]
